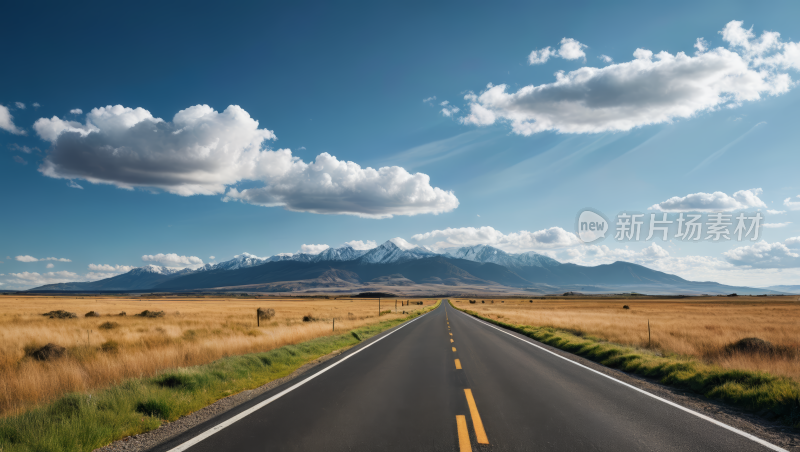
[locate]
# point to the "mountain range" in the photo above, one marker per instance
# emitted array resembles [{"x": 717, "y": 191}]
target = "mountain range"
[{"x": 417, "y": 270}]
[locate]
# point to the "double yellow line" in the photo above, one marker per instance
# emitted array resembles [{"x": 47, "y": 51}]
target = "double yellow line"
[{"x": 461, "y": 420}]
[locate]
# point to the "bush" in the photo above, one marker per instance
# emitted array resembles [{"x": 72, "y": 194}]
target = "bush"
[
  {"x": 108, "y": 325},
  {"x": 355, "y": 335},
  {"x": 308, "y": 318},
  {"x": 626, "y": 307},
  {"x": 151, "y": 314},
  {"x": 92, "y": 314},
  {"x": 110, "y": 346},
  {"x": 265, "y": 314},
  {"x": 60, "y": 314},
  {"x": 471, "y": 301}
]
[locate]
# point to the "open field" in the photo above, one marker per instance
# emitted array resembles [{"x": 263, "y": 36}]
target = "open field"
[
  {"x": 104, "y": 351},
  {"x": 696, "y": 327}
]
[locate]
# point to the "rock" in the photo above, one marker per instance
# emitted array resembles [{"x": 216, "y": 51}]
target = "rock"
[
  {"x": 60, "y": 314},
  {"x": 49, "y": 352},
  {"x": 92, "y": 314}
]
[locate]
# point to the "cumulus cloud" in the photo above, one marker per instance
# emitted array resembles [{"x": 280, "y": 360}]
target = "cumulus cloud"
[
  {"x": 50, "y": 265},
  {"x": 793, "y": 242},
  {"x": 110, "y": 268},
  {"x": 7, "y": 121},
  {"x": 313, "y": 249},
  {"x": 775, "y": 212},
  {"x": 712, "y": 202},
  {"x": 765, "y": 255},
  {"x": 361, "y": 244},
  {"x": 173, "y": 260},
  {"x": 606, "y": 59},
  {"x": 776, "y": 225},
  {"x": 20, "y": 160},
  {"x": 551, "y": 238},
  {"x": 429, "y": 100},
  {"x": 650, "y": 89},
  {"x": 76, "y": 111},
  {"x": 570, "y": 50},
  {"x": 402, "y": 243},
  {"x": 27, "y": 258},
  {"x": 792, "y": 205},
  {"x": 449, "y": 110},
  {"x": 202, "y": 151},
  {"x": 36, "y": 105},
  {"x": 20, "y": 105},
  {"x": 34, "y": 279},
  {"x": 212, "y": 257}
]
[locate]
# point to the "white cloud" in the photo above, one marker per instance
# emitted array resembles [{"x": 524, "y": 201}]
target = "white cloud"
[
  {"x": 793, "y": 242},
  {"x": 776, "y": 225},
  {"x": 212, "y": 257},
  {"x": 27, "y": 258},
  {"x": 313, "y": 249},
  {"x": 20, "y": 105},
  {"x": 72, "y": 184},
  {"x": 20, "y": 160},
  {"x": 50, "y": 265},
  {"x": 204, "y": 152},
  {"x": 110, "y": 268},
  {"x": 361, "y": 245},
  {"x": 712, "y": 202},
  {"x": 792, "y": 205},
  {"x": 570, "y": 50},
  {"x": 606, "y": 59},
  {"x": 551, "y": 238},
  {"x": 76, "y": 111},
  {"x": 36, "y": 105},
  {"x": 7, "y": 122},
  {"x": 651, "y": 89},
  {"x": 402, "y": 243},
  {"x": 173, "y": 260},
  {"x": 24, "y": 149},
  {"x": 701, "y": 45},
  {"x": 429, "y": 99},
  {"x": 34, "y": 279},
  {"x": 764, "y": 255},
  {"x": 449, "y": 110},
  {"x": 775, "y": 212}
]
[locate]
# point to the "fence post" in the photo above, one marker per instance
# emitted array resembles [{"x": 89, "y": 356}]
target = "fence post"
[
  {"x": 648, "y": 334},
  {"x": 258, "y": 319}
]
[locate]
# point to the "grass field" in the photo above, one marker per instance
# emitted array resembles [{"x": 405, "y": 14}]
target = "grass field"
[
  {"x": 697, "y": 327},
  {"x": 106, "y": 350},
  {"x": 691, "y": 342}
]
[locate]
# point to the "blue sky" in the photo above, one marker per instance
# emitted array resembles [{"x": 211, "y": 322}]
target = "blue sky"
[{"x": 350, "y": 80}]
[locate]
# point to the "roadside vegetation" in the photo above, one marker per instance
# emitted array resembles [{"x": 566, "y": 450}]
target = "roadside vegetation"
[
  {"x": 49, "y": 347},
  {"x": 88, "y": 420},
  {"x": 613, "y": 338}
]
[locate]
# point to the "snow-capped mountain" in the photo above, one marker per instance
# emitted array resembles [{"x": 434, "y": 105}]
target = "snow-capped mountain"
[
  {"x": 158, "y": 270},
  {"x": 486, "y": 253},
  {"x": 243, "y": 260},
  {"x": 390, "y": 253},
  {"x": 345, "y": 253}
]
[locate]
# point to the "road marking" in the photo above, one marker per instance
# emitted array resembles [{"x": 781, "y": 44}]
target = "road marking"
[
  {"x": 451, "y": 341},
  {"x": 463, "y": 434},
  {"x": 458, "y": 364},
  {"x": 217, "y": 428},
  {"x": 480, "y": 433},
  {"x": 454, "y": 349},
  {"x": 451, "y": 334},
  {"x": 687, "y": 410}
]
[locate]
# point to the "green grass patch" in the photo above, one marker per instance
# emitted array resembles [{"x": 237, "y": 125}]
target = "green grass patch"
[
  {"x": 84, "y": 422},
  {"x": 771, "y": 396}
]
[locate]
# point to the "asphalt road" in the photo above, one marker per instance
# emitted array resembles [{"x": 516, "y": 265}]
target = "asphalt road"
[{"x": 448, "y": 382}]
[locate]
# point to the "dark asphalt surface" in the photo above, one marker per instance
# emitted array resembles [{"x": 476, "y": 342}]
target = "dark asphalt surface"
[{"x": 404, "y": 393}]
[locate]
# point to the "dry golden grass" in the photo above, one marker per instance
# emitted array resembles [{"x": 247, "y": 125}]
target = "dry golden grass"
[
  {"x": 193, "y": 331},
  {"x": 698, "y": 327}
]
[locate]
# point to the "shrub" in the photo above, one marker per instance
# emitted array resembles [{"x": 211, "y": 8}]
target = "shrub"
[
  {"x": 151, "y": 314},
  {"x": 108, "y": 325},
  {"x": 110, "y": 346},
  {"x": 308, "y": 318},
  {"x": 471, "y": 301},
  {"x": 92, "y": 314},
  {"x": 626, "y": 307},
  {"x": 355, "y": 335},
  {"x": 60, "y": 314},
  {"x": 265, "y": 314},
  {"x": 351, "y": 316}
]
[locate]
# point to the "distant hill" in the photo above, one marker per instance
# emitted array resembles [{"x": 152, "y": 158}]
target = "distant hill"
[{"x": 479, "y": 267}]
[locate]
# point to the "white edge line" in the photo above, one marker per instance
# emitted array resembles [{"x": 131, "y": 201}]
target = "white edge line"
[
  {"x": 249, "y": 411},
  {"x": 695, "y": 413}
]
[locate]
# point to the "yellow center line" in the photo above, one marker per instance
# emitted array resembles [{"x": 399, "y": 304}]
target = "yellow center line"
[
  {"x": 463, "y": 434},
  {"x": 477, "y": 424},
  {"x": 458, "y": 364},
  {"x": 454, "y": 349},
  {"x": 451, "y": 334},
  {"x": 451, "y": 341}
]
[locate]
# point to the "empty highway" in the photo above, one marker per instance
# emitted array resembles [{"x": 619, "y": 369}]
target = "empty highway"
[{"x": 448, "y": 382}]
